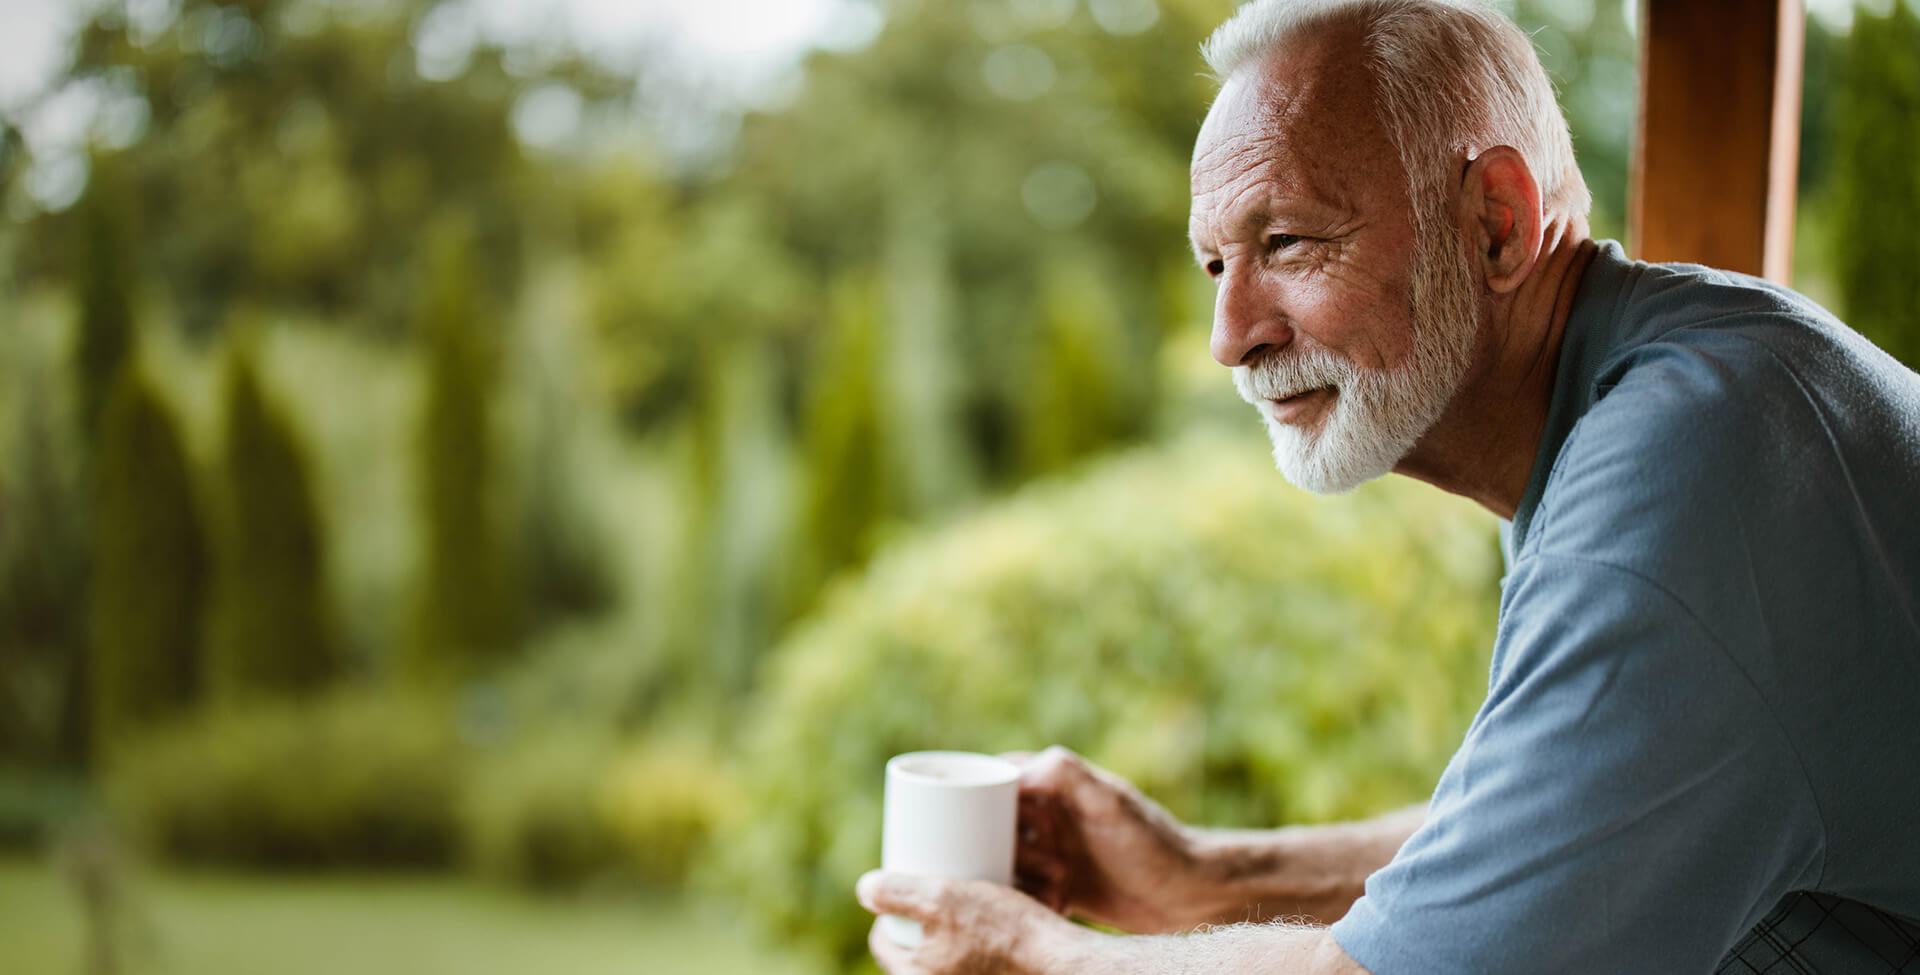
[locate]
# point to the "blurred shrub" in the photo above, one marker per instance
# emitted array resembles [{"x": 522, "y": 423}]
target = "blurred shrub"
[
  {"x": 149, "y": 565},
  {"x": 1247, "y": 653},
  {"x": 572, "y": 807},
  {"x": 351, "y": 778},
  {"x": 530, "y": 816},
  {"x": 270, "y": 629},
  {"x": 34, "y": 805},
  {"x": 662, "y": 801}
]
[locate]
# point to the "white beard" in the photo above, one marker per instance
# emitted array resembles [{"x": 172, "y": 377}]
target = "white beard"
[{"x": 1377, "y": 415}]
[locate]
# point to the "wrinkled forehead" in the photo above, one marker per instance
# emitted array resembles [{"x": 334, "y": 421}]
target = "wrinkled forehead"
[{"x": 1304, "y": 114}]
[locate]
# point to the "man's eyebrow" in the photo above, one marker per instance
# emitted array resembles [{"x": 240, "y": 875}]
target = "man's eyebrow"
[{"x": 1252, "y": 215}]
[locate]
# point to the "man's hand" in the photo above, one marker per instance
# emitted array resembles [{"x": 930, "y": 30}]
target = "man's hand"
[
  {"x": 1092, "y": 846},
  {"x": 972, "y": 927},
  {"x": 969, "y": 926}
]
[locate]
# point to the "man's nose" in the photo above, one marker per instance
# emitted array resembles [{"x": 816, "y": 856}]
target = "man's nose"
[{"x": 1247, "y": 324}]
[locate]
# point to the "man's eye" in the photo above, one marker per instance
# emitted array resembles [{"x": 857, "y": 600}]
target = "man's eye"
[
  {"x": 1216, "y": 267},
  {"x": 1280, "y": 242}
]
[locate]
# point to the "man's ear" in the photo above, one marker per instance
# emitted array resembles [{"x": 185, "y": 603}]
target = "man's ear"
[{"x": 1500, "y": 204}]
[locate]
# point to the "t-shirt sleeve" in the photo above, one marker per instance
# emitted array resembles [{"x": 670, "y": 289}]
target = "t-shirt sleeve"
[{"x": 1623, "y": 802}]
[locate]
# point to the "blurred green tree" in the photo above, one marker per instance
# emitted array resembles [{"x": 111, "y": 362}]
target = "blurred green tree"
[
  {"x": 955, "y": 242},
  {"x": 150, "y": 566},
  {"x": 264, "y": 145},
  {"x": 276, "y": 140},
  {"x": 565, "y": 560},
  {"x": 640, "y": 267},
  {"x": 103, "y": 253},
  {"x": 270, "y": 630},
  {"x": 106, "y": 274},
  {"x": 45, "y": 553},
  {"x": 1876, "y": 142},
  {"x": 842, "y": 493},
  {"x": 1078, "y": 399},
  {"x": 969, "y": 156},
  {"x": 469, "y": 610},
  {"x": 43, "y": 576}
]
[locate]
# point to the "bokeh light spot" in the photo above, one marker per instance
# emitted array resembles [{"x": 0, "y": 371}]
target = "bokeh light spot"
[{"x": 1058, "y": 194}]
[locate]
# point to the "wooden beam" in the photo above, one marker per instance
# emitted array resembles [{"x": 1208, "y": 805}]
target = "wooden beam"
[{"x": 1716, "y": 150}]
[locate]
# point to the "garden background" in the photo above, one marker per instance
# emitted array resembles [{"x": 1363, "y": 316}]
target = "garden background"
[{"x": 477, "y": 498}]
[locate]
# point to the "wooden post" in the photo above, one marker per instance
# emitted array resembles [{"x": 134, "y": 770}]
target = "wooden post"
[{"x": 1717, "y": 146}]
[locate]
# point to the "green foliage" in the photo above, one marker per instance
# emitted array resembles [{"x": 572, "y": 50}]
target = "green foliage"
[
  {"x": 106, "y": 307},
  {"x": 353, "y": 777},
  {"x": 981, "y": 161},
  {"x": 43, "y": 573},
  {"x": 1080, "y": 395},
  {"x": 270, "y": 630},
  {"x": 569, "y": 566},
  {"x": 840, "y": 442},
  {"x": 34, "y": 805},
  {"x": 283, "y": 139},
  {"x": 1247, "y": 653},
  {"x": 569, "y": 807},
  {"x": 468, "y": 611},
  {"x": 530, "y": 816},
  {"x": 149, "y": 566},
  {"x": 662, "y": 802},
  {"x": 1876, "y": 127},
  {"x": 1590, "y": 52},
  {"x": 946, "y": 255}
]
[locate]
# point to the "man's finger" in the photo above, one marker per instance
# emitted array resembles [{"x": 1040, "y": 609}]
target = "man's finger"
[
  {"x": 1052, "y": 770},
  {"x": 897, "y": 893},
  {"x": 1044, "y": 883},
  {"x": 891, "y": 957},
  {"x": 1036, "y": 822}
]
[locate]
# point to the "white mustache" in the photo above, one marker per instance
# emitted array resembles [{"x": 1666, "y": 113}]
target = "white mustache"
[{"x": 1281, "y": 376}]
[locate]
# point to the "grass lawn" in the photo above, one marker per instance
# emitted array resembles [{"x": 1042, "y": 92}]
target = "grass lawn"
[{"x": 215, "y": 924}]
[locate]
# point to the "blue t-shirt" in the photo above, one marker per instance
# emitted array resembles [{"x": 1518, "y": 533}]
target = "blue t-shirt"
[{"x": 1704, "y": 706}]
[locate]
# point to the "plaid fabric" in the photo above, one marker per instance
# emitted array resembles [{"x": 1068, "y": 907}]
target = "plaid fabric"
[{"x": 1819, "y": 934}]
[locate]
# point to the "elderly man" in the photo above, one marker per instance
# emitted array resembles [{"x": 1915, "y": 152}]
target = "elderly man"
[{"x": 1700, "y": 749}]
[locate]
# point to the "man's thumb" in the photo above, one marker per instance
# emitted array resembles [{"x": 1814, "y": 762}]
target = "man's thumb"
[{"x": 896, "y": 893}]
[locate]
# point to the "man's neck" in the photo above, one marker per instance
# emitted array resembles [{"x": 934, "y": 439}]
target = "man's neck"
[{"x": 1485, "y": 444}]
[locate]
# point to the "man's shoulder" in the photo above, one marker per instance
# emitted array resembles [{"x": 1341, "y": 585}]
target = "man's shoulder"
[
  {"x": 1730, "y": 427},
  {"x": 1677, "y": 423}
]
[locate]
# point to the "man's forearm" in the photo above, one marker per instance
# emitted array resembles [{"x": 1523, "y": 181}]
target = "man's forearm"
[
  {"x": 1272, "y": 949},
  {"x": 1312, "y": 872}
]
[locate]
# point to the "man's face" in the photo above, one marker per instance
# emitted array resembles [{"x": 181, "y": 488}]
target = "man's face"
[{"x": 1345, "y": 326}]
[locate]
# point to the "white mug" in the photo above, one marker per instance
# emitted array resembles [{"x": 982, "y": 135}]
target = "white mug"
[{"x": 948, "y": 815}]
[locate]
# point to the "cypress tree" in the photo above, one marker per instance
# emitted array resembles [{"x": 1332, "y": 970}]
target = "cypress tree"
[
  {"x": 270, "y": 631},
  {"x": 1876, "y": 142},
  {"x": 105, "y": 289},
  {"x": 469, "y": 610},
  {"x": 1076, "y": 399},
  {"x": 841, "y": 453},
  {"x": 44, "y": 510},
  {"x": 103, "y": 257},
  {"x": 149, "y": 565}
]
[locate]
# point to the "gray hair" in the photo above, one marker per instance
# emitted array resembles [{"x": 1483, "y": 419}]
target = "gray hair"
[{"x": 1454, "y": 77}]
